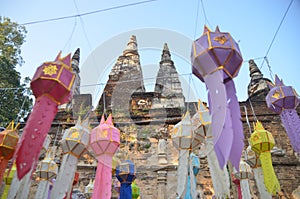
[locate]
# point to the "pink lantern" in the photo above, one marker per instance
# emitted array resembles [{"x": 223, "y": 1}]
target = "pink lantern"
[
  {"x": 52, "y": 85},
  {"x": 104, "y": 141}
]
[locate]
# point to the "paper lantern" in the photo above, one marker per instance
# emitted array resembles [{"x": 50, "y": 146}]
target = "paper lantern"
[
  {"x": 283, "y": 100},
  {"x": 202, "y": 126},
  {"x": 104, "y": 141},
  {"x": 183, "y": 139},
  {"x": 88, "y": 191},
  {"x": 183, "y": 136},
  {"x": 126, "y": 174},
  {"x": 51, "y": 85},
  {"x": 47, "y": 169},
  {"x": 74, "y": 143},
  {"x": 216, "y": 60},
  {"x": 262, "y": 142},
  {"x": 135, "y": 190},
  {"x": 8, "y": 143},
  {"x": 201, "y": 122}
]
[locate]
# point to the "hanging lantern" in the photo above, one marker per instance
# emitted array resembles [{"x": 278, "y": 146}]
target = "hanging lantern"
[
  {"x": 8, "y": 177},
  {"x": 126, "y": 175},
  {"x": 201, "y": 122},
  {"x": 8, "y": 143},
  {"x": 262, "y": 142},
  {"x": 74, "y": 143},
  {"x": 88, "y": 191},
  {"x": 216, "y": 60},
  {"x": 46, "y": 171},
  {"x": 104, "y": 141},
  {"x": 135, "y": 190},
  {"x": 182, "y": 138},
  {"x": 253, "y": 160},
  {"x": 51, "y": 85},
  {"x": 202, "y": 127},
  {"x": 284, "y": 100}
]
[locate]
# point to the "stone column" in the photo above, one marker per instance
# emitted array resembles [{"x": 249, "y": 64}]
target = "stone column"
[
  {"x": 161, "y": 184},
  {"x": 162, "y": 152}
]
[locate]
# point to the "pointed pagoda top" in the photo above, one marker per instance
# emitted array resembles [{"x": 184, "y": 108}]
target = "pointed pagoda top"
[
  {"x": 75, "y": 60},
  {"x": 258, "y": 86},
  {"x": 131, "y": 45},
  {"x": 254, "y": 70},
  {"x": 166, "y": 55}
]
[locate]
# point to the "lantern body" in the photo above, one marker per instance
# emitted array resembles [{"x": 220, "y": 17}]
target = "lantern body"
[
  {"x": 54, "y": 79},
  {"x": 215, "y": 51},
  {"x": 183, "y": 137},
  {"x": 201, "y": 122},
  {"x": 125, "y": 172},
  {"x": 75, "y": 140},
  {"x": 252, "y": 158},
  {"x": 8, "y": 142},
  {"x": 105, "y": 139},
  {"x": 261, "y": 140},
  {"x": 244, "y": 172},
  {"x": 47, "y": 169},
  {"x": 281, "y": 97}
]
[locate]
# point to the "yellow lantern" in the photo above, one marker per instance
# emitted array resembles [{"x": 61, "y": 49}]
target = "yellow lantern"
[{"x": 262, "y": 142}]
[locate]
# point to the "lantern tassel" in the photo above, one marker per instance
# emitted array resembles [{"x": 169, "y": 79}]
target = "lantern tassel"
[
  {"x": 182, "y": 172},
  {"x": 238, "y": 186},
  {"x": 245, "y": 189},
  {"x": 125, "y": 191},
  {"x": 194, "y": 167},
  {"x": 42, "y": 190},
  {"x": 237, "y": 127},
  {"x": 3, "y": 165},
  {"x": 20, "y": 188},
  {"x": 291, "y": 123},
  {"x": 258, "y": 176},
  {"x": 65, "y": 177},
  {"x": 220, "y": 177},
  {"x": 34, "y": 134},
  {"x": 270, "y": 179},
  {"x": 102, "y": 185}
]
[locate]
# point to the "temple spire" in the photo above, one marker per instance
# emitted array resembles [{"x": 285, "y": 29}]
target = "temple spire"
[
  {"x": 75, "y": 67},
  {"x": 258, "y": 87},
  {"x": 166, "y": 55},
  {"x": 131, "y": 45}
]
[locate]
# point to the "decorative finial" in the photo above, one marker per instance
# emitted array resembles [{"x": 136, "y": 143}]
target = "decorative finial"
[
  {"x": 254, "y": 70},
  {"x": 166, "y": 56},
  {"x": 131, "y": 45}
]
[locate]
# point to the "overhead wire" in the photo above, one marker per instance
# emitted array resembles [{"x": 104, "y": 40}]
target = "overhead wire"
[
  {"x": 197, "y": 14},
  {"x": 88, "y": 13},
  {"x": 281, "y": 22}
]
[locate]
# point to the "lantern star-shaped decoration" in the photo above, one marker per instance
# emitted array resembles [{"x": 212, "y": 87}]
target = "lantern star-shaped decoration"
[
  {"x": 216, "y": 60},
  {"x": 50, "y": 70}
]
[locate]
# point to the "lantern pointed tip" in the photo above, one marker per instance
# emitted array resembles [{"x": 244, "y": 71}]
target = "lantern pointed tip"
[
  {"x": 102, "y": 119},
  {"x": 278, "y": 82},
  {"x": 109, "y": 120},
  {"x": 58, "y": 56},
  {"x": 258, "y": 126},
  {"x": 206, "y": 29}
]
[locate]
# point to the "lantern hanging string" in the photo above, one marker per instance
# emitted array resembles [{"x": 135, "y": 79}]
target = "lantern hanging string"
[
  {"x": 23, "y": 103},
  {"x": 269, "y": 67},
  {"x": 247, "y": 119},
  {"x": 252, "y": 110}
]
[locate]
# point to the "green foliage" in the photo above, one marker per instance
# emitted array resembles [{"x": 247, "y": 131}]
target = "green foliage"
[{"x": 15, "y": 101}]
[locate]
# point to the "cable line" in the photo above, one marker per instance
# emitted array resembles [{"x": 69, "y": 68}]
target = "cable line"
[{"x": 87, "y": 13}]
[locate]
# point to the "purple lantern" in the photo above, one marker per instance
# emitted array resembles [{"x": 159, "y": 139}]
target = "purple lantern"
[
  {"x": 216, "y": 60},
  {"x": 283, "y": 100}
]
